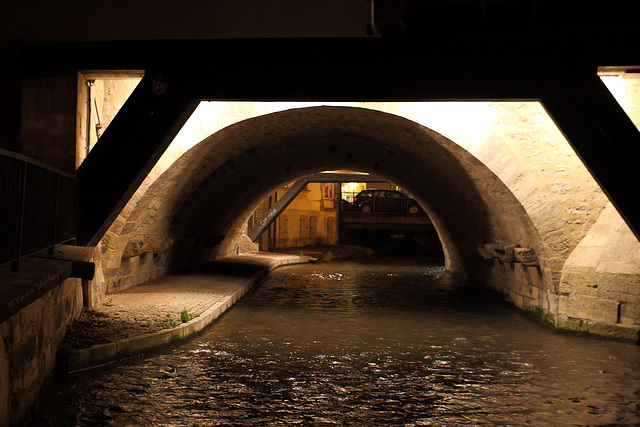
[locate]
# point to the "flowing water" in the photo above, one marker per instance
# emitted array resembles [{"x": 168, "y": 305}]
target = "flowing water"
[{"x": 367, "y": 343}]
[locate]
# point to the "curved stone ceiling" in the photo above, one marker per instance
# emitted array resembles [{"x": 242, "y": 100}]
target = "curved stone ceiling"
[{"x": 212, "y": 189}]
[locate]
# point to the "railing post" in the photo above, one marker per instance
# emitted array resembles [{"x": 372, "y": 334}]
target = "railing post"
[
  {"x": 39, "y": 216},
  {"x": 15, "y": 265},
  {"x": 55, "y": 216}
]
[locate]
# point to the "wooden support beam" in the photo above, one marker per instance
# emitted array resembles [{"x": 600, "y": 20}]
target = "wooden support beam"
[
  {"x": 128, "y": 150},
  {"x": 603, "y": 136},
  {"x": 277, "y": 209}
]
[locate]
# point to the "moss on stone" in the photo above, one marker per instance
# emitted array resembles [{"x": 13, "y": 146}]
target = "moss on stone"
[{"x": 540, "y": 314}]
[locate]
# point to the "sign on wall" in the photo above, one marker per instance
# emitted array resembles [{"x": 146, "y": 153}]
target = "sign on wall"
[{"x": 327, "y": 192}]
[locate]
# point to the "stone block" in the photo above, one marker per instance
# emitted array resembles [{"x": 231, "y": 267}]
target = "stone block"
[
  {"x": 526, "y": 256},
  {"x": 632, "y": 288},
  {"x": 535, "y": 277},
  {"x": 566, "y": 284},
  {"x": 135, "y": 264},
  {"x": 528, "y": 302},
  {"x": 630, "y": 313},
  {"x": 518, "y": 300},
  {"x": 620, "y": 287},
  {"x": 128, "y": 228},
  {"x": 141, "y": 277},
  {"x": 550, "y": 301},
  {"x": 137, "y": 247},
  {"x": 133, "y": 248},
  {"x": 146, "y": 261},
  {"x": 198, "y": 323},
  {"x": 617, "y": 267},
  {"x": 563, "y": 305},
  {"x": 520, "y": 272},
  {"x": 629, "y": 321},
  {"x": 587, "y": 256},
  {"x": 535, "y": 294},
  {"x": 526, "y": 187},
  {"x": 581, "y": 282},
  {"x": 125, "y": 267},
  {"x": 92, "y": 355},
  {"x": 4, "y": 382},
  {"x": 592, "y": 308},
  {"x": 594, "y": 240},
  {"x": 619, "y": 331},
  {"x": 139, "y": 344}
]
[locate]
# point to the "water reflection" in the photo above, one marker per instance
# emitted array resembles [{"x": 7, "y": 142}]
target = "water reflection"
[{"x": 363, "y": 344}]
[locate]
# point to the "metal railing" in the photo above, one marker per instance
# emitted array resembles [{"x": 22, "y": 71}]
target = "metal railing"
[{"x": 38, "y": 207}]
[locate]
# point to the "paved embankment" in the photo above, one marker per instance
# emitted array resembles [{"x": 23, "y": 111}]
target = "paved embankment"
[{"x": 207, "y": 293}]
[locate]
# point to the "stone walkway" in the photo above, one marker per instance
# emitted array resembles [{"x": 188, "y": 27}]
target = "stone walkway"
[
  {"x": 195, "y": 292},
  {"x": 207, "y": 293}
]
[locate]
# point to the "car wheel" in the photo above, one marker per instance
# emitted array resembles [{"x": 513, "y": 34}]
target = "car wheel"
[{"x": 366, "y": 208}]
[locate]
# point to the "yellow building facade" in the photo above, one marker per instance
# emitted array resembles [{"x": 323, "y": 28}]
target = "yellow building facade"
[{"x": 310, "y": 219}]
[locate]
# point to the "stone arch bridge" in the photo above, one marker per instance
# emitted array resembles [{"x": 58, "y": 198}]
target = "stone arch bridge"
[{"x": 516, "y": 210}]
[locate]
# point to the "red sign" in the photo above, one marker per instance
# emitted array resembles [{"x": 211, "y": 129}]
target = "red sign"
[{"x": 328, "y": 190}]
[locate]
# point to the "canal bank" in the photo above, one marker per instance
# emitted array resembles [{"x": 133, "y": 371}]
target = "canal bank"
[{"x": 164, "y": 311}]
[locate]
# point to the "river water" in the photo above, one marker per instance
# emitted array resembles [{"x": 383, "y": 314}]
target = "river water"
[{"x": 382, "y": 341}]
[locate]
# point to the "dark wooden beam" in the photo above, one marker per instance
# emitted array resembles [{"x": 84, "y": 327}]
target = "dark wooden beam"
[
  {"x": 277, "y": 209},
  {"x": 443, "y": 52},
  {"x": 603, "y": 136},
  {"x": 128, "y": 150}
]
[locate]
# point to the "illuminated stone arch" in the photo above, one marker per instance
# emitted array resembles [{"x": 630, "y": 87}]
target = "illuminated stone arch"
[{"x": 201, "y": 202}]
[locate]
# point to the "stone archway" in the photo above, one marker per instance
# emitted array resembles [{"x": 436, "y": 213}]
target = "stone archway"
[
  {"x": 200, "y": 203},
  {"x": 509, "y": 179}
]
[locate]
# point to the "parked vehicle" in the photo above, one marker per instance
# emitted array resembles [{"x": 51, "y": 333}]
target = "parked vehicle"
[{"x": 385, "y": 201}]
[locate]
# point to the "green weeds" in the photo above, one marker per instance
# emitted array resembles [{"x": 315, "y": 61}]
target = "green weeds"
[
  {"x": 167, "y": 323},
  {"x": 185, "y": 316}
]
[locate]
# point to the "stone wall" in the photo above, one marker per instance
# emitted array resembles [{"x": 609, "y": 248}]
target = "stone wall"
[
  {"x": 100, "y": 95},
  {"x": 10, "y": 95},
  {"x": 600, "y": 287},
  {"x": 225, "y": 183},
  {"x": 136, "y": 262},
  {"x": 28, "y": 348},
  {"x": 48, "y": 120}
]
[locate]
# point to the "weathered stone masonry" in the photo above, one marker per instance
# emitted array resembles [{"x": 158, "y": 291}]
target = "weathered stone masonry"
[
  {"x": 30, "y": 341},
  {"x": 498, "y": 174}
]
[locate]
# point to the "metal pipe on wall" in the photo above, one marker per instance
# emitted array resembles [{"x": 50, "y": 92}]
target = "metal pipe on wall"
[{"x": 89, "y": 84}]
